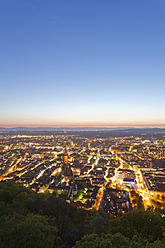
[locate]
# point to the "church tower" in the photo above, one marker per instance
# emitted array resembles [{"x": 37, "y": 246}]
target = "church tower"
[{"x": 65, "y": 156}]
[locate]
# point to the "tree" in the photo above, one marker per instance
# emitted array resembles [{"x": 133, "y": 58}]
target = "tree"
[
  {"x": 32, "y": 231},
  {"x": 156, "y": 244},
  {"x": 117, "y": 241},
  {"x": 99, "y": 224},
  {"x": 105, "y": 241},
  {"x": 145, "y": 223}
]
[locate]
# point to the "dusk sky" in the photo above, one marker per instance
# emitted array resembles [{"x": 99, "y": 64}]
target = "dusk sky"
[{"x": 82, "y": 63}]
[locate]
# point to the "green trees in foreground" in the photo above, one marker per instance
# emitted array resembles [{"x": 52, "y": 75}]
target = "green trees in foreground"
[
  {"x": 117, "y": 240},
  {"x": 146, "y": 223},
  {"x": 30, "y": 231},
  {"x": 30, "y": 220}
]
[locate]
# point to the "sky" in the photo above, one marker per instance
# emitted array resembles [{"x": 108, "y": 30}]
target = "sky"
[{"x": 82, "y": 63}]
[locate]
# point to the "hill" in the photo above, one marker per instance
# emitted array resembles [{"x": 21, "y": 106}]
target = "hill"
[{"x": 30, "y": 220}]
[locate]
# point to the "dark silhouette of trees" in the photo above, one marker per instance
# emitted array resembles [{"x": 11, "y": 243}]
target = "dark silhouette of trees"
[
  {"x": 145, "y": 223},
  {"x": 30, "y": 220}
]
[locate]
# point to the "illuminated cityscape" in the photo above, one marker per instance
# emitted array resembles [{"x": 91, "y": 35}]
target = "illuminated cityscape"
[
  {"x": 82, "y": 124},
  {"x": 116, "y": 174}
]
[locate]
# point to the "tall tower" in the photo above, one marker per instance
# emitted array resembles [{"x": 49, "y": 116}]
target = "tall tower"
[{"x": 65, "y": 156}]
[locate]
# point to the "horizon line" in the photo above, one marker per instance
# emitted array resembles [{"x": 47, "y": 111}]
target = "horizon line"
[{"x": 85, "y": 126}]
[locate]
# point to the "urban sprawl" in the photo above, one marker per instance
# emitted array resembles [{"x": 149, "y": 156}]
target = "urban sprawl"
[{"x": 114, "y": 174}]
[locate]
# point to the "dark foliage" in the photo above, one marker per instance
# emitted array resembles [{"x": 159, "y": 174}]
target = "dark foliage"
[{"x": 30, "y": 220}]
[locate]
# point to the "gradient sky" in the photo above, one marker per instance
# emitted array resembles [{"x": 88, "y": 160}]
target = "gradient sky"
[{"x": 82, "y": 62}]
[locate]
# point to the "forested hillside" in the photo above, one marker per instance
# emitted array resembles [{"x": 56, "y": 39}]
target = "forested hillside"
[{"x": 30, "y": 220}]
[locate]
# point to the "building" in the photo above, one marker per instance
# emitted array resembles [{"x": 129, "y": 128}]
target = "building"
[
  {"x": 162, "y": 154},
  {"x": 65, "y": 156}
]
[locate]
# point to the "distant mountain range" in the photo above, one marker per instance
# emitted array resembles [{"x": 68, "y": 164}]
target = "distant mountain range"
[
  {"x": 62, "y": 128},
  {"x": 120, "y": 129}
]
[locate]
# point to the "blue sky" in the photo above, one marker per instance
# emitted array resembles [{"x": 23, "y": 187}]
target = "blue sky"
[{"x": 82, "y": 62}]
